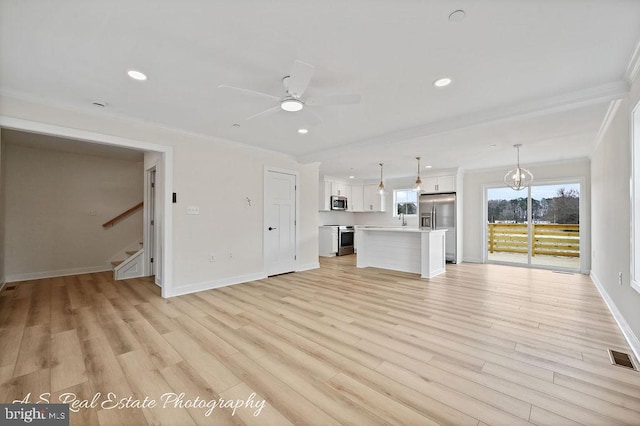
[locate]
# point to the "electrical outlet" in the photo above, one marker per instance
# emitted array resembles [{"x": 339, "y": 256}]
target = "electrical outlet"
[
  {"x": 212, "y": 257},
  {"x": 193, "y": 210},
  {"x": 230, "y": 255},
  {"x": 620, "y": 278},
  {"x": 93, "y": 213}
]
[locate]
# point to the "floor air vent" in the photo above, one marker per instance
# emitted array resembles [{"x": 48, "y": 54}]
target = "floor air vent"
[
  {"x": 10, "y": 287},
  {"x": 621, "y": 359}
]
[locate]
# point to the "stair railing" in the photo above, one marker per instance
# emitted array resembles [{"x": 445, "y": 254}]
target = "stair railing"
[{"x": 122, "y": 215}]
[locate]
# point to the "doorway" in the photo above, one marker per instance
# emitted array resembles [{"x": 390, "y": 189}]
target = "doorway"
[
  {"x": 164, "y": 232},
  {"x": 538, "y": 226},
  {"x": 280, "y": 209}
]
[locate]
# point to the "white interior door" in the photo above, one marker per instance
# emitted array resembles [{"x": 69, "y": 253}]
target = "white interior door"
[{"x": 280, "y": 222}]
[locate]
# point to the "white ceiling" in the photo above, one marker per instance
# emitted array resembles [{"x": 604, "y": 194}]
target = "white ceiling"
[{"x": 541, "y": 73}]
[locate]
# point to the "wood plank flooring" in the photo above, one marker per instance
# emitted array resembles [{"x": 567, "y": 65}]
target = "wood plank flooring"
[{"x": 479, "y": 345}]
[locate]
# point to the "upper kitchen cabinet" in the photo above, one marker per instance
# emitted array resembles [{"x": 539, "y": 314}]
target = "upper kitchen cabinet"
[
  {"x": 340, "y": 188},
  {"x": 439, "y": 184},
  {"x": 325, "y": 195},
  {"x": 356, "y": 202},
  {"x": 372, "y": 200},
  {"x": 330, "y": 186}
]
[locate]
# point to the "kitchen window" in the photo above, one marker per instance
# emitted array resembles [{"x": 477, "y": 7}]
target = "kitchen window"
[{"x": 405, "y": 201}]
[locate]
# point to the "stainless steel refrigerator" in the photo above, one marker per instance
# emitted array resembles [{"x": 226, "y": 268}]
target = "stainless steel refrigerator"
[{"x": 438, "y": 211}]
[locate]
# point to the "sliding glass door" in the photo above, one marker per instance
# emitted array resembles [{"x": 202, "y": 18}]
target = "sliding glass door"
[{"x": 537, "y": 226}]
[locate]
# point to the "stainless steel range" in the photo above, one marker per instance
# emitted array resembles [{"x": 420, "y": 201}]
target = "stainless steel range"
[{"x": 346, "y": 238}]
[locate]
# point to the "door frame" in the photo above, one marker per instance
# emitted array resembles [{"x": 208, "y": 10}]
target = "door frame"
[
  {"x": 165, "y": 175},
  {"x": 150, "y": 232},
  {"x": 585, "y": 224},
  {"x": 267, "y": 170}
]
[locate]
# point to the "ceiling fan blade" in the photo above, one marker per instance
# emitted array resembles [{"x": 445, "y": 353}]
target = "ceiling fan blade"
[
  {"x": 310, "y": 117},
  {"x": 340, "y": 99},
  {"x": 250, "y": 92},
  {"x": 299, "y": 78},
  {"x": 264, "y": 113}
]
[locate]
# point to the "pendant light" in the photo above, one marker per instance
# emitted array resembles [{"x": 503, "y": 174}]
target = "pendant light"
[
  {"x": 418, "y": 183},
  {"x": 381, "y": 185},
  {"x": 518, "y": 178}
]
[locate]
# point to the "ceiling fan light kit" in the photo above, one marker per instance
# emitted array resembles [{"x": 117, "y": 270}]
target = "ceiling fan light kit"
[
  {"x": 295, "y": 84},
  {"x": 291, "y": 105},
  {"x": 518, "y": 178}
]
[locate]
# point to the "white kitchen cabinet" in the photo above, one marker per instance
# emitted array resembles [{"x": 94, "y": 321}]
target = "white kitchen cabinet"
[
  {"x": 328, "y": 240},
  {"x": 339, "y": 188},
  {"x": 439, "y": 184},
  {"x": 325, "y": 195},
  {"x": 372, "y": 200},
  {"x": 356, "y": 202}
]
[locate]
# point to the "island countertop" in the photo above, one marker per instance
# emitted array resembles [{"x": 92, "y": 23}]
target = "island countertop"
[
  {"x": 397, "y": 229},
  {"x": 407, "y": 249}
]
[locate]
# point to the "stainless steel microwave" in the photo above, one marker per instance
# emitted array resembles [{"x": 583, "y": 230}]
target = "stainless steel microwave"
[{"x": 338, "y": 202}]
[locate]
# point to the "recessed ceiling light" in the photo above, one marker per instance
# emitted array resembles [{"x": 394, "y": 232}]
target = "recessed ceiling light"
[
  {"x": 428, "y": 166},
  {"x": 352, "y": 177},
  {"x": 303, "y": 131},
  {"x": 442, "y": 82},
  {"x": 100, "y": 104},
  {"x": 235, "y": 125},
  {"x": 137, "y": 75},
  {"x": 493, "y": 145},
  {"x": 457, "y": 15}
]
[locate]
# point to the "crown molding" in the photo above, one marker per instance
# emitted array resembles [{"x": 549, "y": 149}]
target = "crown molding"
[
  {"x": 606, "y": 121},
  {"x": 530, "y": 109},
  {"x": 150, "y": 125},
  {"x": 633, "y": 67}
]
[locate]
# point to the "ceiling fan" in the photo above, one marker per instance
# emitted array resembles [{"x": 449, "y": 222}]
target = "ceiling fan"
[{"x": 295, "y": 84}]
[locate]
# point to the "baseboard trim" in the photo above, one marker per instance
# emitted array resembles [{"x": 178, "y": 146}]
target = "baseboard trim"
[
  {"x": 308, "y": 266},
  {"x": 628, "y": 333},
  {"x": 2, "y": 283},
  {"x": 210, "y": 285},
  {"x": 471, "y": 260},
  {"x": 59, "y": 273}
]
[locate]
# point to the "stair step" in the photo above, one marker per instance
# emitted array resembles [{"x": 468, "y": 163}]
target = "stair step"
[
  {"x": 116, "y": 263},
  {"x": 131, "y": 253}
]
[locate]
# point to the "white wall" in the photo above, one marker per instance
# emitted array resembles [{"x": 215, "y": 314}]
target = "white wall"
[
  {"x": 611, "y": 207},
  {"x": 2, "y": 207},
  {"x": 474, "y": 187},
  {"x": 215, "y": 175},
  {"x": 49, "y": 198}
]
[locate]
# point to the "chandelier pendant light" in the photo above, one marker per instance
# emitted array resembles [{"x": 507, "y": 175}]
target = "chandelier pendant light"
[
  {"x": 381, "y": 185},
  {"x": 518, "y": 178},
  {"x": 418, "y": 185}
]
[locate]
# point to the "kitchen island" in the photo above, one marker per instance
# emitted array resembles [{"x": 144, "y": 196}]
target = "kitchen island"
[{"x": 414, "y": 250}]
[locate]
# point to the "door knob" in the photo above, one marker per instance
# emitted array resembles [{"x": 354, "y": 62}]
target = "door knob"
[{"x": 271, "y": 229}]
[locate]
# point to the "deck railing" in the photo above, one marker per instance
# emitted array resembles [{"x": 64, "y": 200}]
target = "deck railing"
[{"x": 548, "y": 239}]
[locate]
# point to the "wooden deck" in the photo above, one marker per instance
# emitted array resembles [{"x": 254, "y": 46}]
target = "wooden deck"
[{"x": 481, "y": 344}]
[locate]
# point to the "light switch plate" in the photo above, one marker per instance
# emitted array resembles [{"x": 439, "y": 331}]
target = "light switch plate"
[{"x": 193, "y": 210}]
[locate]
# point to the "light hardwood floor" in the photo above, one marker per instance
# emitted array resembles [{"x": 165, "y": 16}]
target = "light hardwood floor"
[{"x": 481, "y": 344}]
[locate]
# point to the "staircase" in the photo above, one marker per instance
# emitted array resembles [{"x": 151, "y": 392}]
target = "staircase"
[{"x": 131, "y": 267}]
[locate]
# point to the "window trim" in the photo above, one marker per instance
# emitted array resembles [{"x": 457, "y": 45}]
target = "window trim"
[{"x": 395, "y": 204}]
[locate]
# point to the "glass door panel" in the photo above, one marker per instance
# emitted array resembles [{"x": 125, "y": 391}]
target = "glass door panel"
[
  {"x": 508, "y": 227},
  {"x": 555, "y": 212}
]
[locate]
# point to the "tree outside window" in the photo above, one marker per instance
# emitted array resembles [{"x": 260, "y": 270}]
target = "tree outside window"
[{"x": 405, "y": 202}]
